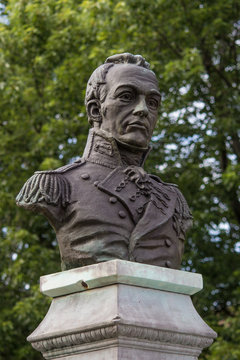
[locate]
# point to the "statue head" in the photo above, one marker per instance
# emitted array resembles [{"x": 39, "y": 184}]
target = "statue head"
[{"x": 123, "y": 98}]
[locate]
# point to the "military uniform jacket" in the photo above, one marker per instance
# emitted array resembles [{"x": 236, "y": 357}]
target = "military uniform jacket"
[{"x": 102, "y": 209}]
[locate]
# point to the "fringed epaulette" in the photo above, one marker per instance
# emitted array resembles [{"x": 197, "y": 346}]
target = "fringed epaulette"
[
  {"x": 182, "y": 218},
  {"x": 47, "y": 186}
]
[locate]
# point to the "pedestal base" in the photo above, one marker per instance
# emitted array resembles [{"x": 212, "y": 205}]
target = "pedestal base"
[{"x": 121, "y": 310}]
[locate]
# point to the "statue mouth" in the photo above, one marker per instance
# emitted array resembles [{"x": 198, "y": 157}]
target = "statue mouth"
[{"x": 138, "y": 125}]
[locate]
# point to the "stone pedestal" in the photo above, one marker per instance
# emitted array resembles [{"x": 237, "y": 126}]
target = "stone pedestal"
[{"x": 121, "y": 310}]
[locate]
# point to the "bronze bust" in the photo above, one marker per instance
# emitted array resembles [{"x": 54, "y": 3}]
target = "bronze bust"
[{"x": 105, "y": 206}]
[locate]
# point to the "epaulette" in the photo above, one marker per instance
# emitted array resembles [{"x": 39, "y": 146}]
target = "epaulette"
[
  {"x": 48, "y": 186},
  {"x": 182, "y": 206},
  {"x": 182, "y": 218}
]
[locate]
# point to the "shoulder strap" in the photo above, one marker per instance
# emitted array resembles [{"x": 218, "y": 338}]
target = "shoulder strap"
[
  {"x": 63, "y": 169},
  {"x": 157, "y": 178},
  {"x": 50, "y": 187}
]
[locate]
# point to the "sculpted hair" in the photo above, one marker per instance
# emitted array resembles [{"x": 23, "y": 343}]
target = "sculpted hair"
[{"x": 96, "y": 86}]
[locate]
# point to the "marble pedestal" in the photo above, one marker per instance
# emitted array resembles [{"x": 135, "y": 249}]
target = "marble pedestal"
[{"x": 120, "y": 310}]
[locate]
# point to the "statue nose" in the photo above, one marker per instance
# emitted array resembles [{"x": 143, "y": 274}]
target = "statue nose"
[{"x": 141, "y": 108}]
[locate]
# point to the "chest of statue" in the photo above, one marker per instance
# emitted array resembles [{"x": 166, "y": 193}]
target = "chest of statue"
[{"x": 107, "y": 211}]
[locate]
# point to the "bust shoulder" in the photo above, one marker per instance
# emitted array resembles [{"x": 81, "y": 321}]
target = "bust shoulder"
[
  {"x": 159, "y": 180},
  {"x": 50, "y": 187}
]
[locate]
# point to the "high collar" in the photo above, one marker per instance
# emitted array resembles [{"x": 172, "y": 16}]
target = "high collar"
[{"x": 102, "y": 148}]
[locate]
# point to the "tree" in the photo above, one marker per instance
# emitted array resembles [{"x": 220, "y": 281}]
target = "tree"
[{"x": 48, "y": 51}]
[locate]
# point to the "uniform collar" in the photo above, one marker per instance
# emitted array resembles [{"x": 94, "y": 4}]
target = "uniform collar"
[{"x": 102, "y": 148}]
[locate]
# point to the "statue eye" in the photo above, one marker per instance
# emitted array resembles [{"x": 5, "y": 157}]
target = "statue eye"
[
  {"x": 126, "y": 96},
  {"x": 153, "y": 103}
]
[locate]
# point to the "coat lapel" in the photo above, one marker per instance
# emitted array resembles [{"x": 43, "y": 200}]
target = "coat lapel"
[
  {"x": 149, "y": 210},
  {"x": 152, "y": 220},
  {"x": 116, "y": 184}
]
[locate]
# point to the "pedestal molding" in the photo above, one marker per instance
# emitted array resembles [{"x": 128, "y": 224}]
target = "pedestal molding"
[
  {"x": 123, "y": 342},
  {"x": 116, "y": 330}
]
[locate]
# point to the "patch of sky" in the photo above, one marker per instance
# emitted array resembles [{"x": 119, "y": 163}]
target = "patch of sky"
[
  {"x": 75, "y": 158},
  {"x": 3, "y": 17},
  {"x": 224, "y": 226},
  {"x": 181, "y": 122},
  {"x": 222, "y": 285},
  {"x": 178, "y": 165},
  {"x": 72, "y": 140},
  {"x": 162, "y": 167},
  {"x": 237, "y": 247},
  {"x": 229, "y": 68},
  {"x": 223, "y": 206},
  {"x": 195, "y": 110},
  {"x": 158, "y": 137},
  {"x": 184, "y": 89},
  {"x": 5, "y": 230},
  {"x": 205, "y": 179},
  {"x": 207, "y": 259},
  {"x": 215, "y": 200},
  {"x": 198, "y": 105},
  {"x": 215, "y": 291},
  {"x": 189, "y": 140},
  {"x": 216, "y": 230},
  {"x": 233, "y": 158},
  {"x": 14, "y": 256},
  {"x": 209, "y": 133},
  {"x": 204, "y": 77},
  {"x": 211, "y": 99},
  {"x": 208, "y": 162},
  {"x": 175, "y": 115},
  {"x": 5, "y": 279},
  {"x": 186, "y": 151},
  {"x": 216, "y": 57},
  {"x": 170, "y": 147}
]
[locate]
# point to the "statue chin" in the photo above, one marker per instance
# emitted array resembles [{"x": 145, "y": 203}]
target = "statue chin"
[{"x": 130, "y": 146}]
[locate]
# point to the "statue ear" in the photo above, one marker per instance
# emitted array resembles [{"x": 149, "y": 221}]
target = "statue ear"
[{"x": 94, "y": 112}]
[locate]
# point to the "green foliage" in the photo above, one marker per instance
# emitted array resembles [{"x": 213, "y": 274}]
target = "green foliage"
[
  {"x": 48, "y": 50},
  {"x": 227, "y": 345}
]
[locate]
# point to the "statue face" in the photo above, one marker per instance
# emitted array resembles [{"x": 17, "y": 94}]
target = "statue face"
[{"x": 130, "y": 109}]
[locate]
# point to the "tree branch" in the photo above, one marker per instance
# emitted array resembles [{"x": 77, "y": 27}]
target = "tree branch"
[{"x": 236, "y": 145}]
